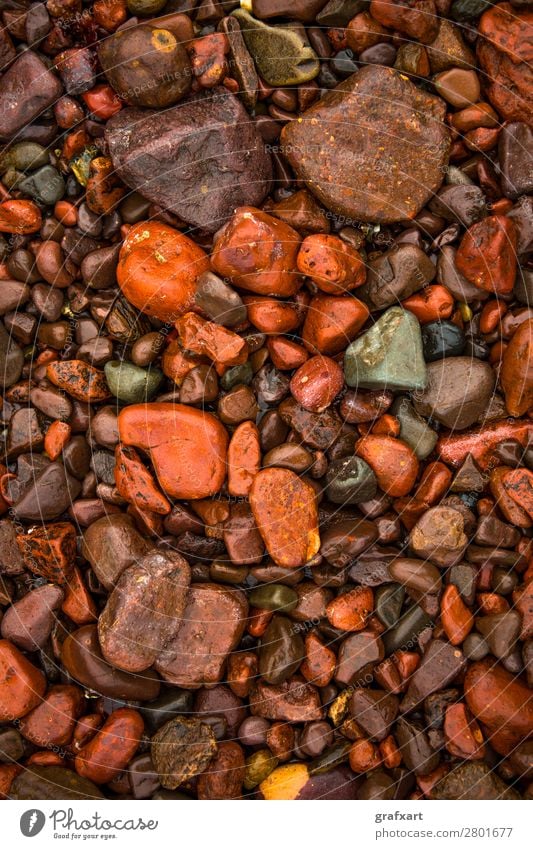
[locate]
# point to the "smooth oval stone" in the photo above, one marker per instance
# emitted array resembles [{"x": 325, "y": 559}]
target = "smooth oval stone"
[
  {"x": 187, "y": 446},
  {"x": 439, "y": 535},
  {"x": 282, "y": 55},
  {"x": 475, "y": 647},
  {"x": 132, "y": 384},
  {"x": 25, "y": 156},
  {"x": 458, "y": 391},
  {"x": 440, "y": 665},
  {"x": 389, "y": 355},
  {"x": 274, "y": 597},
  {"x": 416, "y": 575},
  {"x": 345, "y": 174},
  {"x": 167, "y": 705},
  {"x": 21, "y": 101},
  {"x": 49, "y": 495},
  {"x": 414, "y": 430},
  {"x": 284, "y": 507},
  {"x": 146, "y": 65},
  {"x": 388, "y": 603},
  {"x": 219, "y": 301},
  {"x": 83, "y": 660},
  {"x": 350, "y": 480},
  {"x": 405, "y": 634},
  {"x": 52, "y": 782},
  {"x": 281, "y": 651},
  {"x": 11, "y": 359},
  {"x": 442, "y": 339},
  {"x": 29, "y": 622},
  {"x": 343, "y": 541}
]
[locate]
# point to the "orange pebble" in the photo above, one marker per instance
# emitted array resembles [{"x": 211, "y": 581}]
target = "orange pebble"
[
  {"x": 286, "y": 354},
  {"x": 332, "y": 264},
  {"x": 391, "y": 755},
  {"x": 20, "y": 216},
  {"x": 244, "y": 459},
  {"x": 491, "y": 315},
  {"x": 363, "y": 756},
  {"x": 136, "y": 484},
  {"x": 66, "y": 213},
  {"x": 350, "y": 611},
  {"x": 457, "y": 620},
  {"x": 319, "y": 663},
  {"x": 432, "y": 303},
  {"x": 393, "y": 462},
  {"x": 56, "y": 437},
  {"x": 78, "y": 603},
  {"x": 102, "y": 101}
]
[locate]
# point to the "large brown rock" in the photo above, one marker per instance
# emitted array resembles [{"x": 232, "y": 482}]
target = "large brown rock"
[
  {"x": 211, "y": 626},
  {"x": 374, "y": 148},
  {"x": 505, "y": 53},
  {"x": 143, "y": 612},
  {"x": 26, "y": 90},
  {"x": 200, "y": 159}
]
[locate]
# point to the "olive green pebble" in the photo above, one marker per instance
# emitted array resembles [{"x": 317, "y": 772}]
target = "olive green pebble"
[
  {"x": 274, "y": 597},
  {"x": 414, "y": 430},
  {"x": 405, "y": 635},
  {"x": 388, "y": 602},
  {"x": 46, "y": 185},
  {"x": 145, "y": 8},
  {"x": 130, "y": 383},
  {"x": 282, "y": 55},
  {"x": 258, "y": 767},
  {"x": 24, "y": 156},
  {"x": 227, "y": 573},
  {"x": 237, "y": 374},
  {"x": 350, "y": 480}
]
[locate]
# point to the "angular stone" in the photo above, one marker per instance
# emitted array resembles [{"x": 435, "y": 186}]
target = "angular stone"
[
  {"x": 282, "y": 54},
  {"x": 27, "y": 88},
  {"x": 292, "y": 701},
  {"x": 440, "y": 665},
  {"x": 374, "y": 148},
  {"x": 211, "y": 627},
  {"x": 473, "y": 782},
  {"x": 200, "y": 159},
  {"x": 389, "y": 355},
  {"x": 395, "y": 275},
  {"x": 458, "y": 391}
]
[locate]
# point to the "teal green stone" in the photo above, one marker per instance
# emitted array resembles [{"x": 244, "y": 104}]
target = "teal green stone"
[
  {"x": 389, "y": 355},
  {"x": 132, "y": 384},
  {"x": 46, "y": 185}
]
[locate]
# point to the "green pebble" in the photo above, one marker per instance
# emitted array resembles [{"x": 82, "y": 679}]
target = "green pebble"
[
  {"x": 46, "y": 185},
  {"x": 258, "y": 767},
  {"x": 389, "y": 355},
  {"x": 350, "y": 480},
  {"x": 388, "y": 602},
  {"x": 235, "y": 375},
  {"x": 465, "y": 10},
  {"x": 281, "y": 651},
  {"x": 282, "y": 56},
  {"x": 274, "y": 597},
  {"x": 132, "y": 384},
  {"x": 24, "y": 156},
  {"x": 145, "y": 7},
  {"x": 414, "y": 430},
  {"x": 405, "y": 635}
]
